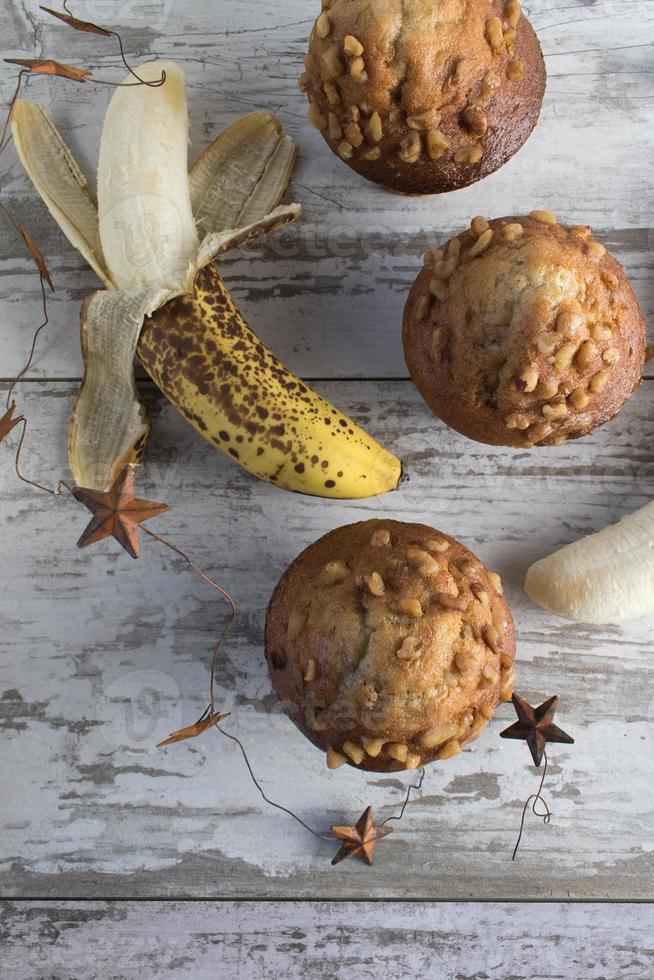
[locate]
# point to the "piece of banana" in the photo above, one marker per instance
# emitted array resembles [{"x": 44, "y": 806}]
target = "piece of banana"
[
  {"x": 603, "y": 578},
  {"x": 146, "y": 248},
  {"x": 240, "y": 397}
]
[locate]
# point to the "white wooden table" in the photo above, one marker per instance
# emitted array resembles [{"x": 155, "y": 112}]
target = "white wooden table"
[{"x": 120, "y": 859}]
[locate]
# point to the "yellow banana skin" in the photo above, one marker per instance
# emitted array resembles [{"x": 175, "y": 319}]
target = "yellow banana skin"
[{"x": 204, "y": 357}]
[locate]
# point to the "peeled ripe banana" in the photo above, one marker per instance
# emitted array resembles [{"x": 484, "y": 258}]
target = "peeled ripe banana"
[
  {"x": 604, "y": 578},
  {"x": 155, "y": 243}
]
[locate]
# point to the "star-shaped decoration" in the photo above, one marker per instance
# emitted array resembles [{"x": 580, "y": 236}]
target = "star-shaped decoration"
[
  {"x": 117, "y": 513},
  {"x": 536, "y": 726},
  {"x": 360, "y": 839},
  {"x": 7, "y": 422}
]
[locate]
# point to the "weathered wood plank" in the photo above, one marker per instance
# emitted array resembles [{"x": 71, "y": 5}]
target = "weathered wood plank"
[
  {"x": 325, "y": 941},
  {"x": 103, "y": 656},
  {"x": 328, "y": 293}
]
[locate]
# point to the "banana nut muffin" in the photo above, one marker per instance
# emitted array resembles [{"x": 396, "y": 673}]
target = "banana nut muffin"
[
  {"x": 424, "y": 96},
  {"x": 390, "y": 645},
  {"x": 522, "y": 332}
]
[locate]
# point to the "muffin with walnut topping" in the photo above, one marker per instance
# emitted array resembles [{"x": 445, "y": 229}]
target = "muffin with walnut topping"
[
  {"x": 390, "y": 645},
  {"x": 523, "y": 332},
  {"x": 424, "y": 97}
]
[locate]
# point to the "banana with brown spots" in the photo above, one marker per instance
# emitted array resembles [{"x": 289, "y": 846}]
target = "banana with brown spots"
[{"x": 240, "y": 397}]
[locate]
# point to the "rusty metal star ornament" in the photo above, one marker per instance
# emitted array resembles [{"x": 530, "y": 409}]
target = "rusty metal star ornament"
[
  {"x": 360, "y": 840},
  {"x": 536, "y": 726},
  {"x": 117, "y": 514},
  {"x": 7, "y": 422}
]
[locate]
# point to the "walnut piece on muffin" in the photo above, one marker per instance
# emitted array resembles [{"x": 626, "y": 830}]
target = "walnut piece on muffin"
[
  {"x": 522, "y": 332},
  {"x": 423, "y": 97},
  {"x": 390, "y": 645}
]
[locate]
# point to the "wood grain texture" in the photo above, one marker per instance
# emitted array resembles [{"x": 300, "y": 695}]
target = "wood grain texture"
[
  {"x": 103, "y": 656},
  {"x": 100, "y": 656},
  {"x": 326, "y": 941},
  {"x": 328, "y": 293}
]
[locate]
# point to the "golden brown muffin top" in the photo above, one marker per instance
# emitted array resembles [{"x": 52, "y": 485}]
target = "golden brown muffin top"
[
  {"x": 424, "y": 60},
  {"x": 387, "y": 640},
  {"x": 522, "y": 331}
]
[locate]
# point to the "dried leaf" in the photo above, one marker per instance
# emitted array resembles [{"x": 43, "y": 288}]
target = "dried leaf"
[
  {"x": 7, "y": 422},
  {"x": 78, "y": 25},
  {"x": 192, "y": 731},
  {"x": 37, "y": 255},
  {"x": 49, "y": 67}
]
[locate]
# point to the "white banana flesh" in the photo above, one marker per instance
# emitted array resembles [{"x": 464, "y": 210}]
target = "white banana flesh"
[
  {"x": 604, "y": 578},
  {"x": 147, "y": 228}
]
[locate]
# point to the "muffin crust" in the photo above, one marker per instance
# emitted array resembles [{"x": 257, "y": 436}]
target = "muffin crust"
[
  {"x": 523, "y": 332},
  {"x": 423, "y": 97},
  {"x": 389, "y": 645}
]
